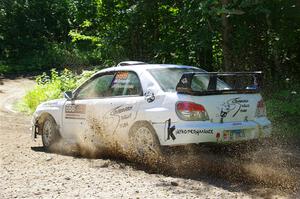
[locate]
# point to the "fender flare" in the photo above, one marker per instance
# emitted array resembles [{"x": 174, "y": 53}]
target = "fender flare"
[{"x": 39, "y": 121}]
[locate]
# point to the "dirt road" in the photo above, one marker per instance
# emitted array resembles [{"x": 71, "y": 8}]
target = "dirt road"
[{"x": 27, "y": 171}]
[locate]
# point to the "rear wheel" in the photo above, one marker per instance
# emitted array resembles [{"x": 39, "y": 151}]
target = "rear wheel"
[
  {"x": 50, "y": 133},
  {"x": 144, "y": 143}
]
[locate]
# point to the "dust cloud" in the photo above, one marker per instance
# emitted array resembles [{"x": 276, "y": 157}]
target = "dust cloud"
[
  {"x": 258, "y": 165},
  {"x": 265, "y": 163}
]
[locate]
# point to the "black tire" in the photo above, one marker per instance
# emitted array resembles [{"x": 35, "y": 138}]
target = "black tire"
[
  {"x": 144, "y": 143},
  {"x": 50, "y": 133}
]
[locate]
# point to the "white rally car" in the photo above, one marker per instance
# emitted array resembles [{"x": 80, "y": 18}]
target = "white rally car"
[{"x": 143, "y": 106}]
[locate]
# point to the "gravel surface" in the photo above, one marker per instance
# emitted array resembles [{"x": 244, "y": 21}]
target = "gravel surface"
[{"x": 27, "y": 171}]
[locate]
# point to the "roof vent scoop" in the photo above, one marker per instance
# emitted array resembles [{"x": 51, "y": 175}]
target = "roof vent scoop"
[{"x": 130, "y": 63}]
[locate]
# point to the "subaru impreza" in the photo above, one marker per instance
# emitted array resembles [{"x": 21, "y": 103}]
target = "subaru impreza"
[{"x": 142, "y": 107}]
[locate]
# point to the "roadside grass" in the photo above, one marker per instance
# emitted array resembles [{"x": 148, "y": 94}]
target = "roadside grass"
[
  {"x": 283, "y": 109},
  {"x": 21, "y": 106},
  {"x": 51, "y": 87}
]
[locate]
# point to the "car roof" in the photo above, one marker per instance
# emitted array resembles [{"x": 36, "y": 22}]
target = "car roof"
[{"x": 141, "y": 67}]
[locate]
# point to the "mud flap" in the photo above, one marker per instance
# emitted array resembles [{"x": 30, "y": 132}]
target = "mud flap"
[{"x": 34, "y": 130}]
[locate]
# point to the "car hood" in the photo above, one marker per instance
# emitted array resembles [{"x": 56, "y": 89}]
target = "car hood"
[{"x": 53, "y": 103}]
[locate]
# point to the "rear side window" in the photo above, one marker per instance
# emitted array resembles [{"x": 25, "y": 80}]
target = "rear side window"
[
  {"x": 126, "y": 83},
  {"x": 201, "y": 83},
  {"x": 168, "y": 79}
]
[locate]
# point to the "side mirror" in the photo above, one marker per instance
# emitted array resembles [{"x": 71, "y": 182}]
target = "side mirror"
[{"x": 68, "y": 95}]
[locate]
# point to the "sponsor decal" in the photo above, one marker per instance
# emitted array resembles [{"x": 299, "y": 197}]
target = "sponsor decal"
[
  {"x": 75, "y": 111},
  {"x": 194, "y": 131},
  {"x": 149, "y": 95},
  {"x": 119, "y": 117},
  {"x": 170, "y": 130},
  {"x": 75, "y": 108},
  {"x": 218, "y": 135},
  {"x": 225, "y": 136},
  {"x": 120, "y": 109},
  {"x": 234, "y": 106},
  {"x": 184, "y": 80},
  {"x": 121, "y": 81},
  {"x": 74, "y": 116},
  {"x": 121, "y": 76}
]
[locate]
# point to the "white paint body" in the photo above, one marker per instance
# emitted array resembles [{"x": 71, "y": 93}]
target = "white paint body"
[{"x": 116, "y": 115}]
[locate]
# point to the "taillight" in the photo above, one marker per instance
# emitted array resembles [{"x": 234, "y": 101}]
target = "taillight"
[
  {"x": 260, "y": 109},
  {"x": 191, "y": 111}
]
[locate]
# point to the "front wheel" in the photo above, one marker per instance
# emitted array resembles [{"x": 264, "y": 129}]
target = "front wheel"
[
  {"x": 144, "y": 143},
  {"x": 50, "y": 133}
]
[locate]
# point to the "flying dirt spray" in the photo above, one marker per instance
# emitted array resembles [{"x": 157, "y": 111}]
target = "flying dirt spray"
[{"x": 264, "y": 163}]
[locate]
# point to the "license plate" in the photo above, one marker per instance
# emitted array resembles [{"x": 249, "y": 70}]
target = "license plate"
[{"x": 234, "y": 134}]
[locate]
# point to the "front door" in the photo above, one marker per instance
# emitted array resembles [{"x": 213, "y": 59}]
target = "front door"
[
  {"x": 79, "y": 113},
  {"x": 104, "y": 108}
]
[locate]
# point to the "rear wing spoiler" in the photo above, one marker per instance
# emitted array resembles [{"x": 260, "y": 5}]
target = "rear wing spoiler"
[{"x": 184, "y": 85}]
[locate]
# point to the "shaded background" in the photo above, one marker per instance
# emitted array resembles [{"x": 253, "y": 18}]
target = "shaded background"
[{"x": 217, "y": 35}]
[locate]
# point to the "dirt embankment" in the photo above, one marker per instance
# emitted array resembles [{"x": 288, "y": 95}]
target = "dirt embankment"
[{"x": 27, "y": 171}]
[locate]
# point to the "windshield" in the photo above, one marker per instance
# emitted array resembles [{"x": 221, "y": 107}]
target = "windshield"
[{"x": 168, "y": 79}]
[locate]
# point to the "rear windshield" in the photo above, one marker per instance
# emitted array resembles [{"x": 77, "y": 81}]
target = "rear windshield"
[{"x": 168, "y": 79}]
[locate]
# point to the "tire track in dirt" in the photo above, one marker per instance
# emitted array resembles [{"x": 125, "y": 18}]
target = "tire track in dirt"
[{"x": 12, "y": 90}]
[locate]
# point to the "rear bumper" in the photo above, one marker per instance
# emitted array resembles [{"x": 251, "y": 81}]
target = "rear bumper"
[{"x": 189, "y": 132}]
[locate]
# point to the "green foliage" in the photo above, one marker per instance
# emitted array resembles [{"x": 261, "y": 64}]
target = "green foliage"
[
  {"x": 217, "y": 52},
  {"x": 4, "y": 68},
  {"x": 35, "y": 34},
  {"x": 258, "y": 35},
  {"x": 215, "y": 35},
  {"x": 15, "y": 69},
  {"x": 51, "y": 87}
]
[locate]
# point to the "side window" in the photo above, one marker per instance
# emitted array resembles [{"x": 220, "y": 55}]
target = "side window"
[
  {"x": 96, "y": 88},
  {"x": 199, "y": 83},
  {"x": 126, "y": 83}
]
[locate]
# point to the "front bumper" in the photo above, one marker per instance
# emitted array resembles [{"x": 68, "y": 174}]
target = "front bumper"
[{"x": 189, "y": 132}]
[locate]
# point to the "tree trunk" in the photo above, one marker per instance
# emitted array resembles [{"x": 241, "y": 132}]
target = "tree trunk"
[
  {"x": 276, "y": 69},
  {"x": 226, "y": 37}
]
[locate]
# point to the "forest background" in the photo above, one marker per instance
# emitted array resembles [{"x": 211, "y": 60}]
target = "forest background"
[{"x": 216, "y": 35}]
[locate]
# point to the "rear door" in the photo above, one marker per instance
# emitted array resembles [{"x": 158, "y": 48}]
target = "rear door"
[{"x": 125, "y": 100}]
